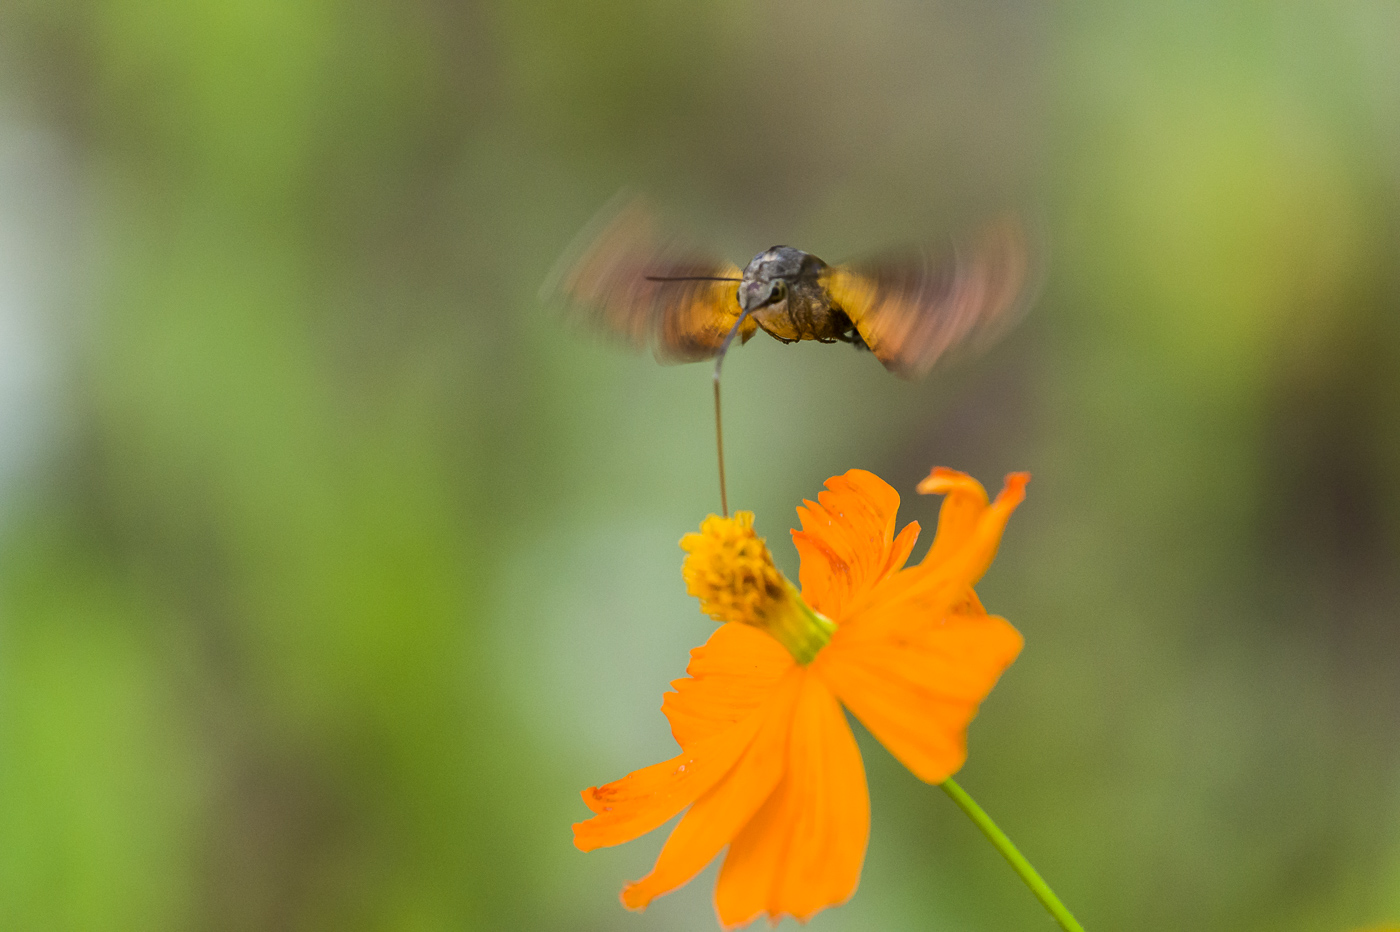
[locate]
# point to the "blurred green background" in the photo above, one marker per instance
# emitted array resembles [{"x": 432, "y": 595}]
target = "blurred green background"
[{"x": 332, "y": 566}]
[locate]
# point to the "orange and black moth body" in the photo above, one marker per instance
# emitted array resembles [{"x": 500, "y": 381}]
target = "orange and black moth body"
[{"x": 782, "y": 290}]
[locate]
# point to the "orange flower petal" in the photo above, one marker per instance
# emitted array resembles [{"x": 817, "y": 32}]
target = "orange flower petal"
[
  {"x": 934, "y": 587},
  {"x": 803, "y": 850},
  {"x": 978, "y": 544},
  {"x": 847, "y": 540},
  {"x": 712, "y": 717},
  {"x": 963, "y": 503},
  {"x": 918, "y": 688},
  {"x": 901, "y": 548},
  {"x": 646, "y": 799},
  {"x": 718, "y": 816},
  {"x": 731, "y": 674}
]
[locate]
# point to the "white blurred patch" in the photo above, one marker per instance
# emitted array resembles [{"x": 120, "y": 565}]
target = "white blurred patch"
[
  {"x": 33, "y": 269},
  {"x": 592, "y": 624}
]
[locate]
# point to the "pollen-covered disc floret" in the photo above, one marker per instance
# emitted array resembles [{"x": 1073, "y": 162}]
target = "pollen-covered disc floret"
[{"x": 731, "y": 572}]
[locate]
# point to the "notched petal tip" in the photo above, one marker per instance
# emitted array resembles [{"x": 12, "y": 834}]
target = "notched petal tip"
[
  {"x": 1013, "y": 490},
  {"x": 585, "y": 844},
  {"x": 632, "y": 900},
  {"x": 586, "y": 836}
]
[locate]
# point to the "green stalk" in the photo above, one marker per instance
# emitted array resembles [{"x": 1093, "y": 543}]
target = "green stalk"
[{"x": 1018, "y": 861}]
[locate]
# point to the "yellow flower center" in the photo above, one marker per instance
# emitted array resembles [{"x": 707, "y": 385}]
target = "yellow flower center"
[{"x": 731, "y": 572}]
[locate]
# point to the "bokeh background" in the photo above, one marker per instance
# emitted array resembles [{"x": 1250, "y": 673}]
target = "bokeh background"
[{"x": 332, "y": 566}]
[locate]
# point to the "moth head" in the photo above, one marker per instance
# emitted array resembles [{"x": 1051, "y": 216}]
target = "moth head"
[{"x": 769, "y": 275}]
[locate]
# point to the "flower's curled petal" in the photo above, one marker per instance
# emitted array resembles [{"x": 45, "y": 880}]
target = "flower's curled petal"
[
  {"x": 964, "y": 500},
  {"x": 803, "y": 850},
  {"x": 918, "y": 688},
  {"x": 718, "y": 815},
  {"x": 730, "y": 675},
  {"x": 980, "y": 545},
  {"x": 847, "y": 540}
]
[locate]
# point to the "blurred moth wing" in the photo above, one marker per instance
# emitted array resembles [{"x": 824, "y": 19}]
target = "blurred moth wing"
[
  {"x": 912, "y": 309},
  {"x": 627, "y": 279}
]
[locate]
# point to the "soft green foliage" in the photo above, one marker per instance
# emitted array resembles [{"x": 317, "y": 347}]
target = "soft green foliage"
[{"x": 332, "y": 567}]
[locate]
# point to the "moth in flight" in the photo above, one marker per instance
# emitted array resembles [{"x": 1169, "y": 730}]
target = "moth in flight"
[{"x": 629, "y": 279}]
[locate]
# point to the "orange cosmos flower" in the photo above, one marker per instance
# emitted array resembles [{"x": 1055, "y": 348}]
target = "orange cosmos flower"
[{"x": 768, "y": 765}]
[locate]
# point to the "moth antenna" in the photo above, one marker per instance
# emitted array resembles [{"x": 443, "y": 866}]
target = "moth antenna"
[
  {"x": 719, "y": 428},
  {"x": 692, "y": 278}
]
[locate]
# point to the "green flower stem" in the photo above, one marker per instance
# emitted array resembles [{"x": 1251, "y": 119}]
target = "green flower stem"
[{"x": 1018, "y": 861}]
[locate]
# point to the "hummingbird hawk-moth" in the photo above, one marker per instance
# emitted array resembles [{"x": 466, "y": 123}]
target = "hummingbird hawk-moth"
[{"x": 630, "y": 280}]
